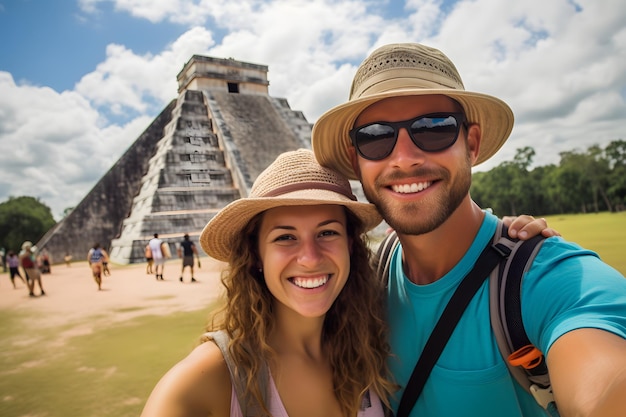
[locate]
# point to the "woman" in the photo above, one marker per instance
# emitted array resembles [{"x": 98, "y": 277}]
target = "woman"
[
  {"x": 28, "y": 262},
  {"x": 301, "y": 302}
]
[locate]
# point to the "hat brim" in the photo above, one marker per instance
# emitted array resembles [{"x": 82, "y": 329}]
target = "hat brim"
[
  {"x": 330, "y": 138},
  {"x": 220, "y": 234}
]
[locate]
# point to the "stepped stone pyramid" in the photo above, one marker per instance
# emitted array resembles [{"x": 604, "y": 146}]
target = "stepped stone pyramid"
[{"x": 203, "y": 151}]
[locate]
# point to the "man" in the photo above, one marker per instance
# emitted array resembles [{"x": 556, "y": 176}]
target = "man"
[
  {"x": 186, "y": 251},
  {"x": 156, "y": 247},
  {"x": 411, "y": 134}
]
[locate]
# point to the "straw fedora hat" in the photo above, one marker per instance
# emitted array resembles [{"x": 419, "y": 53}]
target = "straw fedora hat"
[
  {"x": 293, "y": 179},
  {"x": 406, "y": 69}
]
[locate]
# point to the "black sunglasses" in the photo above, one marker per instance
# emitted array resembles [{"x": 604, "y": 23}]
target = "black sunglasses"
[{"x": 431, "y": 133}]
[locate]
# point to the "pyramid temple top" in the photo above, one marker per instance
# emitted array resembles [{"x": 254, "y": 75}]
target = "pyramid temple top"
[{"x": 223, "y": 74}]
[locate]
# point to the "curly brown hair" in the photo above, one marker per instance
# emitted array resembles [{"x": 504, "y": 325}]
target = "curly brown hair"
[{"x": 354, "y": 332}]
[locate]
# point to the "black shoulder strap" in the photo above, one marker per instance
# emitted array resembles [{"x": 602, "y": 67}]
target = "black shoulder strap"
[
  {"x": 438, "y": 339},
  {"x": 249, "y": 406}
]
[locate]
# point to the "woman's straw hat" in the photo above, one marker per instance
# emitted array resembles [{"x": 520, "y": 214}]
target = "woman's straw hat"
[
  {"x": 293, "y": 179},
  {"x": 406, "y": 69}
]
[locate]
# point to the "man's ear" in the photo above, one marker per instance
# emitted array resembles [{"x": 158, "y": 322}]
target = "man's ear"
[
  {"x": 354, "y": 160},
  {"x": 474, "y": 135}
]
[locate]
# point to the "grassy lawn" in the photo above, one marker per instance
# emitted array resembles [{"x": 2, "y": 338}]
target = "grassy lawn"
[
  {"x": 111, "y": 372},
  {"x": 605, "y": 233}
]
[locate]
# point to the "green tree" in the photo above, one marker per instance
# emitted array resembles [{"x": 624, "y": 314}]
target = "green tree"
[
  {"x": 551, "y": 199},
  {"x": 586, "y": 175},
  {"x": 23, "y": 218},
  {"x": 615, "y": 153},
  {"x": 507, "y": 188},
  {"x": 593, "y": 180}
]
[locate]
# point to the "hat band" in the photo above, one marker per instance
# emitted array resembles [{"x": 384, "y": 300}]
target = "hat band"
[
  {"x": 307, "y": 186},
  {"x": 397, "y": 80}
]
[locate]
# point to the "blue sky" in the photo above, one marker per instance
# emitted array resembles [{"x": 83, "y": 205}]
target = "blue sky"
[
  {"x": 68, "y": 41},
  {"x": 81, "y": 79}
]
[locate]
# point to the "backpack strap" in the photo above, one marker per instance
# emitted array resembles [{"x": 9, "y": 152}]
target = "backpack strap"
[
  {"x": 248, "y": 404},
  {"x": 525, "y": 362},
  {"x": 382, "y": 259}
]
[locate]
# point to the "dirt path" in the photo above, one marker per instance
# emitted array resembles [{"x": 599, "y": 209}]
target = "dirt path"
[{"x": 72, "y": 298}]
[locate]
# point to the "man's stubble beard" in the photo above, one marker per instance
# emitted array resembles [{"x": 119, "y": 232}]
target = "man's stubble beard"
[{"x": 417, "y": 218}]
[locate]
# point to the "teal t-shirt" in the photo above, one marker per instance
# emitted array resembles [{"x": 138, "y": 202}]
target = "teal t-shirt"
[{"x": 566, "y": 288}]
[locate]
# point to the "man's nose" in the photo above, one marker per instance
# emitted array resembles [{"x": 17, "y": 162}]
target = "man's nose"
[{"x": 406, "y": 153}]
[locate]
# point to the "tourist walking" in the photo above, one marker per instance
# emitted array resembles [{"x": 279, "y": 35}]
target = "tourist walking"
[
  {"x": 149, "y": 259},
  {"x": 28, "y": 262},
  {"x": 187, "y": 251},
  {"x": 158, "y": 255},
  {"x": 96, "y": 258},
  {"x": 13, "y": 262}
]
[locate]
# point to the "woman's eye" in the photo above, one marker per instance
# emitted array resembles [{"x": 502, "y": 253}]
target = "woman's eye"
[
  {"x": 284, "y": 238},
  {"x": 329, "y": 233}
]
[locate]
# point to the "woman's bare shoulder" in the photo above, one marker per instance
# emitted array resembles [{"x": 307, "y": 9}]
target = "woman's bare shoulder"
[{"x": 198, "y": 385}]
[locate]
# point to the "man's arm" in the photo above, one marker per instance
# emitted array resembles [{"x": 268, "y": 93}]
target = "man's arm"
[{"x": 588, "y": 373}]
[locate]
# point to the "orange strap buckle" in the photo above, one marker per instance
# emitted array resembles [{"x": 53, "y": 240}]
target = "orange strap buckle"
[{"x": 527, "y": 357}]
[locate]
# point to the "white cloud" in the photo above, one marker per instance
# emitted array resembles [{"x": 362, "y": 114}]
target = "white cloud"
[
  {"x": 129, "y": 81},
  {"x": 55, "y": 149}
]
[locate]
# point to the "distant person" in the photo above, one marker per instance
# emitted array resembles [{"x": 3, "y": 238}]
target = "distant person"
[
  {"x": 3, "y": 259},
  {"x": 157, "y": 248},
  {"x": 105, "y": 268},
  {"x": 187, "y": 250},
  {"x": 68, "y": 260},
  {"x": 28, "y": 262},
  {"x": 149, "y": 259},
  {"x": 13, "y": 262},
  {"x": 45, "y": 262},
  {"x": 96, "y": 258}
]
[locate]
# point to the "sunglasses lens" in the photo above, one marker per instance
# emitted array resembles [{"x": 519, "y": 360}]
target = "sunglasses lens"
[
  {"x": 375, "y": 141},
  {"x": 434, "y": 134},
  {"x": 431, "y": 133}
]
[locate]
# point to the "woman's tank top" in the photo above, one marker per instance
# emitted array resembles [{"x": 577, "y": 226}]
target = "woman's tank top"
[{"x": 277, "y": 409}]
